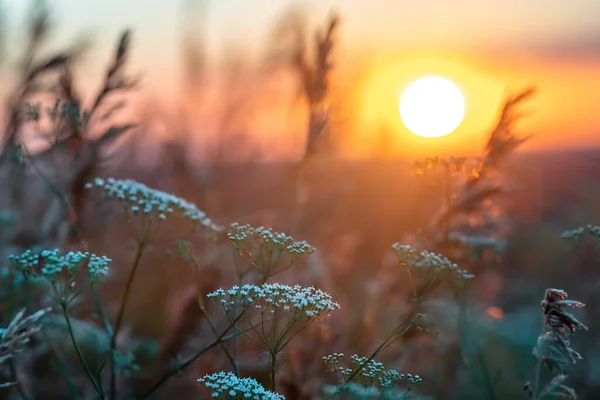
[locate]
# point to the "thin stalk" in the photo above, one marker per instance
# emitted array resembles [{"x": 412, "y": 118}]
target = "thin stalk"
[
  {"x": 113, "y": 340},
  {"x": 273, "y": 369},
  {"x": 537, "y": 371},
  {"x": 390, "y": 339},
  {"x": 62, "y": 363},
  {"x": 207, "y": 316},
  {"x": 14, "y": 376},
  {"x": 88, "y": 372},
  {"x": 176, "y": 370}
]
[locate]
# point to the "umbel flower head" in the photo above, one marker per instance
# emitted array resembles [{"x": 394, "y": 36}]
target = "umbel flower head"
[
  {"x": 51, "y": 263},
  {"x": 225, "y": 385},
  {"x": 60, "y": 270},
  {"x": 576, "y": 234},
  {"x": 265, "y": 248},
  {"x": 370, "y": 373},
  {"x": 302, "y": 302},
  {"x": 138, "y": 199},
  {"x": 430, "y": 268}
]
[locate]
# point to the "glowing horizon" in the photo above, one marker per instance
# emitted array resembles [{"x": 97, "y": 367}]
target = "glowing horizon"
[{"x": 462, "y": 41}]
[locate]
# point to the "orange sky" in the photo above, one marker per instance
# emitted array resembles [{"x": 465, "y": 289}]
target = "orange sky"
[{"x": 489, "y": 48}]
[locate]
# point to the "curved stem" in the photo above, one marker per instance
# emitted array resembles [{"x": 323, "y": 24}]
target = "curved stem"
[
  {"x": 79, "y": 354},
  {"x": 176, "y": 370},
  {"x": 390, "y": 339},
  {"x": 207, "y": 316}
]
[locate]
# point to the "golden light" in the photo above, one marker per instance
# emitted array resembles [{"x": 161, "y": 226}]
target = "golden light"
[{"x": 432, "y": 107}]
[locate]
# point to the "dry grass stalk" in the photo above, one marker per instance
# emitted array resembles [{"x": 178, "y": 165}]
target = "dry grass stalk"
[
  {"x": 18, "y": 332},
  {"x": 56, "y": 176}
]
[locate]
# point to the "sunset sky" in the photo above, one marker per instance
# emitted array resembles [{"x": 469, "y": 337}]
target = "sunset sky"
[{"x": 489, "y": 48}]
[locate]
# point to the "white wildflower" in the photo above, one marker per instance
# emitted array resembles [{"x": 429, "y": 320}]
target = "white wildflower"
[
  {"x": 426, "y": 260},
  {"x": 137, "y": 198},
  {"x": 225, "y": 385},
  {"x": 51, "y": 262},
  {"x": 242, "y": 235},
  {"x": 302, "y": 302}
]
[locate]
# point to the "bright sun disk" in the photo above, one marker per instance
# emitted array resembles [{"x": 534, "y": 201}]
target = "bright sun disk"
[{"x": 432, "y": 107}]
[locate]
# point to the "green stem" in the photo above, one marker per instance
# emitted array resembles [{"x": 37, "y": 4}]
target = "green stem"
[
  {"x": 14, "y": 376},
  {"x": 88, "y": 372},
  {"x": 537, "y": 371},
  {"x": 60, "y": 355},
  {"x": 113, "y": 340},
  {"x": 179, "y": 368},
  {"x": 390, "y": 339},
  {"x": 273, "y": 370},
  {"x": 207, "y": 316}
]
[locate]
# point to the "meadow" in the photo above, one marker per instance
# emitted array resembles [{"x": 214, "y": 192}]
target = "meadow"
[{"x": 326, "y": 277}]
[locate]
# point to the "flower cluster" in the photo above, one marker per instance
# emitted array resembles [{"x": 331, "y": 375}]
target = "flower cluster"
[
  {"x": 576, "y": 234},
  {"x": 368, "y": 373},
  {"x": 453, "y": 166},
  {"x": 243, "y": 235},
  {"x": 302, "y": 302},
  {"x": 51, "y": 263},
  {"x": 225, "y": 385},
  {"x": 371, "y": 372},
  {"x": 426, "y": 260},
  {"x": 139, "y": 199}
]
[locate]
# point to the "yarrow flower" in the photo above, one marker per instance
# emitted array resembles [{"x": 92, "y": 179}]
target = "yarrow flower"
[
  {"x": 453, "y": 166},
  {"x": 577, "y": 233},
  {"x": 225, "y": 385},
  {"x": 425, "y": 260},
  {"x": 138, "y": 199},
  {"x": 51, "y": 263},
  {"x": 302, "y": 302},
  {"x": 370, "y": 372},
  {"x": 60, "y": 270},
  {"x": 264, "y": 247}
]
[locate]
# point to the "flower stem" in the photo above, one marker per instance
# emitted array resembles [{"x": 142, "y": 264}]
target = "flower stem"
[
  {"x": 176, "y": 370},
  {"x": 200, "y": 295},
  {"x": 113, "y": 340},
  {"x": 79, "y": 354},
  {"x": 390, "y": 339},
  {"x": 273, "y": 370}
]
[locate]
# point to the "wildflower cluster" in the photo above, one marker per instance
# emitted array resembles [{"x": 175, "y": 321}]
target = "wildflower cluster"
[
  {"x": 225, "y": 385},
  {"x": 370, "y": 373},
  {"x": 138, "y": 199},
  {"x": 51, "y": 263},
  {"x": 409, "y": 256},
  {"x": 577, "y": 233},
  {"x": 265, "y": 248},
  {"x": 59, "y": 270},
  {"x": 430, "y": 268},
  {"x": 453, "y": 166},
  {"x": 302, "y": 302}
]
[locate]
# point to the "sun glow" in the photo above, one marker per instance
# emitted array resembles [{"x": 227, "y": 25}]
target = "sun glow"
[{"x": 432, "y": 107}]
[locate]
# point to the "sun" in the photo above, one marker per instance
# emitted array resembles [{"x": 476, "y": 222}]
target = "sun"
[{"x": 432, "y": 107}]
